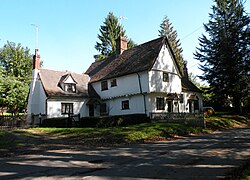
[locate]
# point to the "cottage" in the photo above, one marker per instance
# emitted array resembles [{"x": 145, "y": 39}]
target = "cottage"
[{"x": 145, "y": 79}]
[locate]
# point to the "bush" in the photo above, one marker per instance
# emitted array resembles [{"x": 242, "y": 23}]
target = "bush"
[
  {"x": 59, "y": 122},
  {"x": 112, "y": 121}
]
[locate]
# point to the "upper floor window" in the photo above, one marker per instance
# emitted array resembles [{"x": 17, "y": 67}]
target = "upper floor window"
[
  {"x": 165, "y": 77},
  {"x": 104, "y": 85},
  {"x": 160, "y": 104},
  {"x": 69, "y": 87},
  {"x": 125, "y": 104},
  {"x": 113, "y": 83},
  {"x": 67, "y": 108}
]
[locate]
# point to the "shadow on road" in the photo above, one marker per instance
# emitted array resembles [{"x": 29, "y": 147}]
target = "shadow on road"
[{"x": 208, "y": 156}]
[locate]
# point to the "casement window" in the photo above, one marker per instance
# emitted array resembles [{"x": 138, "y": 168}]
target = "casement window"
[
  {"x": 125, "y": 104},
  {"x": 165, "y": 77},
  {"x": 67, "y": 108},
  {"x": 160, "y": 104},
  {"x": 103, "y": 109},
  {"x": 113, "y": 83},
  {"x": 104, "y": 85},
  {"x": 71, "y": 88}
]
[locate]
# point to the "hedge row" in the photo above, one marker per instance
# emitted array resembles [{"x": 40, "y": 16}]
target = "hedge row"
[{"x": 103, "y": 121}]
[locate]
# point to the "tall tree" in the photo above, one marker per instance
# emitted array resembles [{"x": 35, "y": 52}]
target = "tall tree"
[
  {"x": 15, "y": 69},
  {"x": 225, "y": 52},
  {"x": 109, "y": 32},
  {"x": 167, "y": 30}
]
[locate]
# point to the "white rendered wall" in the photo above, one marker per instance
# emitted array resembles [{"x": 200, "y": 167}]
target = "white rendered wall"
[
  {"x": 164, "y": 63},
  {"x": 136, "y": 105},
  {"x": 37, "y": 97},
  {"x": 54, "y": 107},
  {"x": 126, "y": 85}
]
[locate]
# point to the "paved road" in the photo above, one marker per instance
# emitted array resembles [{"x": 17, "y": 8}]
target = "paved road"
[{"x": 210, "y": 156}]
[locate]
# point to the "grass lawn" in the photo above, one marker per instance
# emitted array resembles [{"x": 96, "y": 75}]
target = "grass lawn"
[
  {"x": 130, "y": 134},
  {"x": 6, "y": 139},
  {"x": 142, "y": 132}
]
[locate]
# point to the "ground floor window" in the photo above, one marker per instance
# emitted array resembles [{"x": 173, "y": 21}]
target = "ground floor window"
[
  {"x": 125, "y": 104},
  {"x": 67, "y": 108},
  {"x": 160, "y": 104}
]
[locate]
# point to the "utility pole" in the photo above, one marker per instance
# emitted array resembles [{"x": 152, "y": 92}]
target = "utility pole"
[{"x": 36, "y": 34}]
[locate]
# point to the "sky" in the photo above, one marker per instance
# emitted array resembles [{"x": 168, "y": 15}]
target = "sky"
[{"x": 68, "y": 29}]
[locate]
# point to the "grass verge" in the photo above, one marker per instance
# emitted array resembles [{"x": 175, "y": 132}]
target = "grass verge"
[{"x": 130, "y": 134}]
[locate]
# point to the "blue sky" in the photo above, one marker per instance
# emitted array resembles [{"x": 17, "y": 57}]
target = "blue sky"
[{"x": 68, "y": 28}]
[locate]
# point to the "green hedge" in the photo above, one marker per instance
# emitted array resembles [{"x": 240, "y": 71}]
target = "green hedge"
[
  {"x": 102, "y": 121},
  {"x": 111, "y": 121},
  {"x": 59, "y": 122}
]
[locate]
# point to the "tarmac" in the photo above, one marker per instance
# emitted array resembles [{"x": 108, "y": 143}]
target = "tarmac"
[{"x": 211, "y": 156}]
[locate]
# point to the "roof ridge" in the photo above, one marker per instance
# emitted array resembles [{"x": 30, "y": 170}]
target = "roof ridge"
[{"x": 65, "y": 72}]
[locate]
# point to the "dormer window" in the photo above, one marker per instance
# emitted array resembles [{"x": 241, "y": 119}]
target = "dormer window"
[
  {"x": 67, "y": 83},
  {"x": 70, "y": 87}
]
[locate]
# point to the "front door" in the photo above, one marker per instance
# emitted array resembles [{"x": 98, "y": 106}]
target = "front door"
[{"x": 91, "y": 110}]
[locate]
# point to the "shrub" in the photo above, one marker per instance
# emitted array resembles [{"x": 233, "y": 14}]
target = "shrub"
[
  {"x": 111, "y": 121},
  {"x": 59, "y": 122}
]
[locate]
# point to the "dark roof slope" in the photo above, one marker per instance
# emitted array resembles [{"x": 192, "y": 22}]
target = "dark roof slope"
[
  {"x": 51, "y": 78},
  {"x": 189, "y": 86},
  {"x": 137, "y": 59}
]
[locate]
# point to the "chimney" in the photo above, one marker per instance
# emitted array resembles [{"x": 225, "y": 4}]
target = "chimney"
[
  {"x": 36, "y": 60},
  {"x": 185, "y": 70},
  {"x": 121, "y": 45}
]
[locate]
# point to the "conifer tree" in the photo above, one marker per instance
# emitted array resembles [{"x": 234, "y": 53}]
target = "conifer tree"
[
  {"x": 167, "y": 30},
  {"x": 109, "y": 32},
  {"x": 225, "y": 53}
]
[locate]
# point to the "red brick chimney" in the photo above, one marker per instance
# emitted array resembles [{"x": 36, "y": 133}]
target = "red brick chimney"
[
  {"x": 36, "y": 60},
  {"x": 121, "y": 45}
]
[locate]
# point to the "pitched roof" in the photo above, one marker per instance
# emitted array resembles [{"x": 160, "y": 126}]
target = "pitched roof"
[
  {"x": 51, "y": 78},
  {"x": 137, "y": 59},
  {"x": 65, "y": 77},
  {"x": 189, "y": 86}
]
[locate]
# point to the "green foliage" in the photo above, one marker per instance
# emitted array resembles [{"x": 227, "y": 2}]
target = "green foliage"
[
  {"x": 128, "y": 134},
  {"x": 112, "y": 121},
  {"x": 7, "y": 139},
  {"x": 55, "y": 122},
  {"x": 15, "y": 71},
  {"x": 223, "y": 121},
  {"x": 109, "y": 32},
  {"x": 225, "y": 52},
  {"x": 167, "y": 30}
]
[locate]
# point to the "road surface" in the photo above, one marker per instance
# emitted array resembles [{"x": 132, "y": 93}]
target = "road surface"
[{"x": 211, "y": 156}]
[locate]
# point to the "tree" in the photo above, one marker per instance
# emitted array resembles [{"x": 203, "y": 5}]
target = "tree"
[
  {"x": 109, "y": 32},
  {"x": 15, "y": 70},
  {"x": 225, "y": 52},
  {"x": 167, "y": 30}
]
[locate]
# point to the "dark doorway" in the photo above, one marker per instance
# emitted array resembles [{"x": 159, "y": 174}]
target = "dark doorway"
[{"x": 91, "y": 110}]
